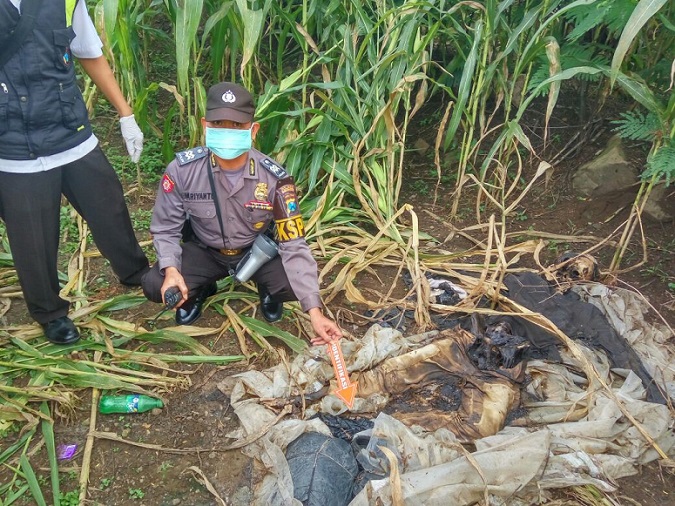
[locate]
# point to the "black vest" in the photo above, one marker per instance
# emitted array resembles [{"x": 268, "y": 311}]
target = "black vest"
[{"x": 41, "y": 108}]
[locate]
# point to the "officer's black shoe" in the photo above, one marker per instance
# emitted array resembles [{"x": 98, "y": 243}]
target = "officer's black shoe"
[
  {"x": 271, "y": 309},
  {"x": 61, "y": 331},
  {"x": 192, "y": 308}
]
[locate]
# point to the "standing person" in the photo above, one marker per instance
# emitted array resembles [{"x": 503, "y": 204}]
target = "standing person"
[
  {"x": 230, "y": 193},
  {"x": 47, "y": 148}
]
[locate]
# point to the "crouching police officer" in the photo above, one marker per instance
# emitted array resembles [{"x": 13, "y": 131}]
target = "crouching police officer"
[{"x": 229, "y": 193}]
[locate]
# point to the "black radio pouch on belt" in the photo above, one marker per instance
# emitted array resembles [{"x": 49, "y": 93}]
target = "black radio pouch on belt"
[{"x": 29, "y": 10}]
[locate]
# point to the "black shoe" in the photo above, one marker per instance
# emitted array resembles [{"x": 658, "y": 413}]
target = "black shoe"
[
  {"x": 61, "y": 331},
  {"x": 192, "y": 308},
  {"x": 271, "y": 309}
]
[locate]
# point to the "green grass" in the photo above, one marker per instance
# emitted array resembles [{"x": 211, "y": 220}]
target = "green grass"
[
  {"x": 136, "y": 493},
  {"x": 69, "y": 233},
  {"x": 71, "y": 498},
  {"x": 656, "y": 271},
  {"x": 421, "y": 187},
  {"x": 140, "y": 219},
  {"x": 150, "y": 167}
]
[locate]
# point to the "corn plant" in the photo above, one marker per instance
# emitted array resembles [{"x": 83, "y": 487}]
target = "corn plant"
[{"x": 661, "y": 112}]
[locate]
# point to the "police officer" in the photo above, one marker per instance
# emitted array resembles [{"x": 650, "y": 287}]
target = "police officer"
[
  {"x": 47, "y": 148},
  {"x": 229, "y": 193}
]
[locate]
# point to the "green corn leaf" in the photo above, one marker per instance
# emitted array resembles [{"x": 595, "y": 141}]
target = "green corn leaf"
[
  {"x": 187, "y": 23},
  {"x": 176, "y": 337},
  {"x": 267, "y": 330},
  {"x": 13, "y": 497},
  {"x": 562, "y": 76},
  {"x": 643, "y": 12},
  {"x": 32, "y": 481},
  {"x": 531, "y": 48},
  {"x": 26, "y": 348},
  {"x": 528, "y": 20},
  {"x": 122, "y": 302},
  {"x": 12, "y": 449},
  {"x": 48, "y": 434},
  {"x": 187, "y": 359},
  {"x": 640, "y": 91},
  {"x": 253, "y": 21},
  {"x": 464, "y": 85},
  {"x": 110, "y": 10}
]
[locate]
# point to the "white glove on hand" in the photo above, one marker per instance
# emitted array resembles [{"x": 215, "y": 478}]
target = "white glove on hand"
[{"x": 133, "y": 137}]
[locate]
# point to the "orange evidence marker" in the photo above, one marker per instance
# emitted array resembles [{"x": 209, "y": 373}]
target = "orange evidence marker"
[{"x": 346, "y": 389}]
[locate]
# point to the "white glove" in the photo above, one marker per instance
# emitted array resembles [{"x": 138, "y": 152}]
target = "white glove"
[{"x": 133, "y": 137}]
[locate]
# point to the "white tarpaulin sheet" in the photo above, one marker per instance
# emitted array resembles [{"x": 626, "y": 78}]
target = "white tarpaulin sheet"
[{"x": 567, "y": 435}]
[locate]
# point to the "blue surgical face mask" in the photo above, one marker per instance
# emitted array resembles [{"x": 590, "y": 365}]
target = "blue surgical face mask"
[{"x": 228, "y": 143}]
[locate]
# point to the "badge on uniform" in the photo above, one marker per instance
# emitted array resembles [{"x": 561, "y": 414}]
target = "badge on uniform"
[
  {"x": 290, "y": 228},
  {"x": 191, "y": 155},
  {"x": 167, "y": 184},
  {"x": 260, "y": 200},
  {"x": 279, "y": 172},
  {"x": 290, "y": 199},
  {"x": 261, "y": 191},
  {"x": 258, "y": 204}
]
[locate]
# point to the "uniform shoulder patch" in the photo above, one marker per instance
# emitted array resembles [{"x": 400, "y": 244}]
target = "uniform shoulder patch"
[
  {"x": 275, "y": 169},
  {"x": 190, "y": 155},
  {"x": 168, "y": 184}
]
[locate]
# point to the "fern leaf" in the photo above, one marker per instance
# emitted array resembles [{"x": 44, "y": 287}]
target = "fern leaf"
[
  {"x": 594, "y": 16},
  {"x": 661, "y": 164},
  {"x": 637, "y": 126},
  {"x": 618, "y": 15},
  {"x": 612, "y": 14}
]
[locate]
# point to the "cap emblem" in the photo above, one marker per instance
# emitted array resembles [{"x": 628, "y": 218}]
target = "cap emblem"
[{"x": 228, "y": 97}]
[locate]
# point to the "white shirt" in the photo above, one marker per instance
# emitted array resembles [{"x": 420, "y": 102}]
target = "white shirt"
[{"x": 86, "y": 44}]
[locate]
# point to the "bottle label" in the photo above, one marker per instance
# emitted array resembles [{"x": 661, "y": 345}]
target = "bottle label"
[{"x": 132, "y": 404}]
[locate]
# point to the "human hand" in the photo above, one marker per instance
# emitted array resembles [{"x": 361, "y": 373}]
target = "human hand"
[
  {"x": 174, "y": 278},
  {"x": 133, "y": 137},
  {"x": 326, "y": 329}
]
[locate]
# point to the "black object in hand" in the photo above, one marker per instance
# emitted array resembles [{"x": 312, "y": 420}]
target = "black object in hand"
[{"x": 172, "y": 297}]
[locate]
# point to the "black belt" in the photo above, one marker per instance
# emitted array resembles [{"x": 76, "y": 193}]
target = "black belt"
[{"x": 228, "y": 252}]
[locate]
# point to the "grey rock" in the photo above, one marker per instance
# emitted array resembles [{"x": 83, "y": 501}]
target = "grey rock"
[
  {"x": 609, "y": 171},
  {"x": 660, "y": 205},
  {"x": 421, "y": 146}
]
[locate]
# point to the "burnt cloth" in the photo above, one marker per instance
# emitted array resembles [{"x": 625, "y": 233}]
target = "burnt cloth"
[{"x": 578, "y": 320}]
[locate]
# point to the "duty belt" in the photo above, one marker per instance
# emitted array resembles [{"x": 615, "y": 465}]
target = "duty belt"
[{"x": 230, "y": 252}]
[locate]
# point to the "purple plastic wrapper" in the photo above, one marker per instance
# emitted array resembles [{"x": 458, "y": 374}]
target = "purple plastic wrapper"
[{"x": 66, "y": 452}]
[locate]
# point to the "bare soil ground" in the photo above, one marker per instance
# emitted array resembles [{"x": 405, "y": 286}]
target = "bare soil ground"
[{"x": 192, "y": 426}]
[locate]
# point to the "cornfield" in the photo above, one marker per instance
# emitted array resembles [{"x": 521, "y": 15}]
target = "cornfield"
[{"x": 338, "y": 85}]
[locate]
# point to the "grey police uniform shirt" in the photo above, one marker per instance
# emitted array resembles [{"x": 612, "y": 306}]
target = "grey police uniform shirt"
[{"x": 184, "y": 191}]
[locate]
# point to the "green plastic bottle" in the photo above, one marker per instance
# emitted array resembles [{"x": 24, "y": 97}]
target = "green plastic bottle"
[{"x": 136, "y": 403}]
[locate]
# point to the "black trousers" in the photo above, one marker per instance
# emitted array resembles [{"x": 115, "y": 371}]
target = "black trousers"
[
  {"x": 30, "y": 207},
  {"x": 202, "y": 265}
]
